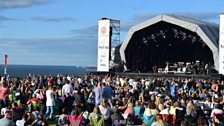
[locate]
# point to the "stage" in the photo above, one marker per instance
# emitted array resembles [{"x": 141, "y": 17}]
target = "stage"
[{"x": 169, "y": 75}]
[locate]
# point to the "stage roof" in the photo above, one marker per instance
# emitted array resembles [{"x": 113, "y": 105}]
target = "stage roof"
[{"x": 209, "y": 32}]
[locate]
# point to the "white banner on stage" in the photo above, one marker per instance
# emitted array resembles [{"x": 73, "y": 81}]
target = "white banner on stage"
[
  {"x": 221, "y": 44},
  {"x": 103, "y": 45}
]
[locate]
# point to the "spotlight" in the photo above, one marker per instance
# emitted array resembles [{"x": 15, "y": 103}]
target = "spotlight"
[
  {"x": 144, "y": 40},
  {"x": 193, "y": 39},
  {"x": 184, "y": 36},
  {"x": 175, "y": 33},
  {"x": 153, "y": 36},
  {"x": 162, "y": 34}
]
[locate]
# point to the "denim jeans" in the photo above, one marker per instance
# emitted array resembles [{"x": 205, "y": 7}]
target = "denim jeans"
[
  {"x": 3, "y": 103},
  {"x": 50, "y": 108}
]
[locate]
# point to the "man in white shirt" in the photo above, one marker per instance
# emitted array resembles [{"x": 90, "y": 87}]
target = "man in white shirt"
[
  {"x": 98, "y": 94},
  {"x": 50, "y": 102},
  {"x": 67, "y": 88}
]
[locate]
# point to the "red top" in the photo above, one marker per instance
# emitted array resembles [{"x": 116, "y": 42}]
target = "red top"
[
  {"x": 3, "y": 93},
  {"x": 33, "y": 99}
]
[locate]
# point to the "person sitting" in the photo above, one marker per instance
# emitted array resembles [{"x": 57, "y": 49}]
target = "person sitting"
[
  {"x": 76, "y": 117},
  {"x": 105, "y": 111},
  {"x": 218, "y": 120},
  {"x": 164, "y": 109},
  {"x": 22, "y": 121},
  {"x": 179, "y": 112},
  {"x": 159, "y": 121},
  {"x": 151, "y": 110},
  {"x": 117, "y": 117},
  {"x": 129, "y": 111},
  {"x": 96, "y": 119},
  {"x": 138, "y": 109},
  {"x": 33, "y": 102},
  {"x": 191, "y": 113},
  {"x": 6, "y": 120},
  {"x": 63, "y": 118},
  {"x": 217, "y": 110}
]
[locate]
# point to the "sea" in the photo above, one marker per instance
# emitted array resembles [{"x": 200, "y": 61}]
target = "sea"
[{"x": 23, "y": 70}]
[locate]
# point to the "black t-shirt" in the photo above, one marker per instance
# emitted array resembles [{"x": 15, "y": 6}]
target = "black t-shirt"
[{"x": 79, "y": 97}]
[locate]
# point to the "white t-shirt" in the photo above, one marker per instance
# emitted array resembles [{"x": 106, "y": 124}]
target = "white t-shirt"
[
  {"x": 20, "y": 122},
  {"x": 165, "y": 111},
  {"x": 216, "y": 111},
  {"x": 67, "y": 88},
  {"x": 105, "y": 112},
  {"x": 79, "y": 80},
  {"x": 50, "y": 98},
  {"x": 122, "y": 82}
]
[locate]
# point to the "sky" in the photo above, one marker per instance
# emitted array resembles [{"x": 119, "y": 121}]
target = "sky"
[{"x": 64, "y": 32}]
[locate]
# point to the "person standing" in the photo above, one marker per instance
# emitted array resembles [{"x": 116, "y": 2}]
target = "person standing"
[
  {"x": 50, "y": 102},
  {"x": 4, "y": 91},
  {"x": 67, "y": 88},
  {"x": 107, "y": 91},
  {"x": 98, "y": 94}
]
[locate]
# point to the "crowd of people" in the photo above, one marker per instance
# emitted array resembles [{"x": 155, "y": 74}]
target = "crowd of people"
[{"x": 110, "y": 101}]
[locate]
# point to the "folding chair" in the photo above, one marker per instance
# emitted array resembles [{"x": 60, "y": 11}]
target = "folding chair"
[{"x": 75, "y": 120}]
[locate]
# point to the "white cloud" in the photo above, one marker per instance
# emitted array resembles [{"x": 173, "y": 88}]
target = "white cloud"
[
  {"x": 4, "y": 18},
  {"x": 138, "y": 18},
  {"x": 208, "y": 16},
  {"x": 90, "y": 31},
  {"x": 52, "y": 19},
  {"x": 4, "y": 4}
]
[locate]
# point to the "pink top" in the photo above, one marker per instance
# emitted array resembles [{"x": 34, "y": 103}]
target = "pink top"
[
  {"x": 129, "y": 111},
  {"x": 3, "y": 93}
]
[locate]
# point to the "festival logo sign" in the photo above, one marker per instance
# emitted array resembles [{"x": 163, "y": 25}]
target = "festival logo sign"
[
  {"x": 103, "y": 46},
  {"x": 103, "y": 30},
  {"x": 221, "y": 45}
]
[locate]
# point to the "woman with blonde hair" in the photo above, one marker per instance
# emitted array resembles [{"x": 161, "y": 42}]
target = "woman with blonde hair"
[
  {"x": 96, "y": 119},
  {"x": 129, "y": 110},
  {"x": 191, "y": 113},
  {"x": 190, "y": 108},
  {"x": 158, "y": 101},
  {"x": 96, "y": 112}
]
